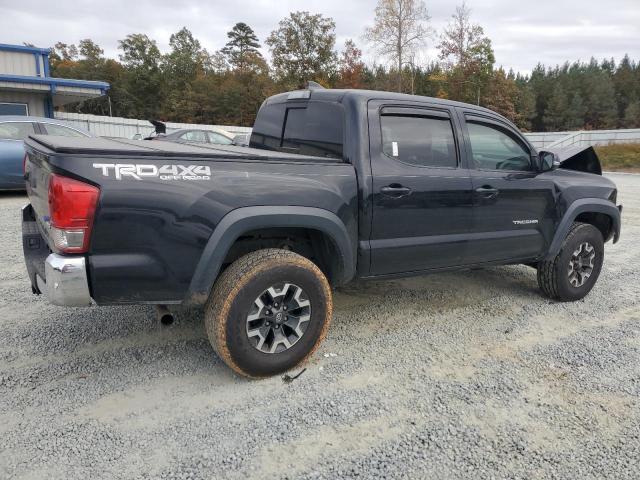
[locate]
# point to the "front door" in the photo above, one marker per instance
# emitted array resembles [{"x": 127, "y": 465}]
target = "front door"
[
  {"x": 422, "y": 197},
  {"x": 514, "y": 210}
]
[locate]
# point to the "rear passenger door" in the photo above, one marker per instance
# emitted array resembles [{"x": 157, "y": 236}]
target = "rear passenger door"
[{"x": 422, "y": 195}]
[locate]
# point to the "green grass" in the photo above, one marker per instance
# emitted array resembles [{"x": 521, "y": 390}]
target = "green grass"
[{"x": 620, "y": 157}]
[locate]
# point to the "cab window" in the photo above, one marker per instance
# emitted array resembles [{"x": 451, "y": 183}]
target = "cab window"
[
  {"x": 307, "y": 128},
  {"x": 420, "y": 141},
  {"x": 494, "y": 149}
]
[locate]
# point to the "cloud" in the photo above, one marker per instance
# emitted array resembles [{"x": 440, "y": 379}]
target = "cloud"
[{"x": 523, "y": 33}]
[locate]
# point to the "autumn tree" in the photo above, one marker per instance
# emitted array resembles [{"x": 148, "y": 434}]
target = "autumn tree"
[
  {"x": 351, "y": 67},
  {"x": 302, "y": 48},
  {"x": 468, "y": 56},
  {"x": 501, "y": 95},
  {"x": 399, "y": 28},
  {"x": 186, "y": 62},
  {"x": 144, "y": 84}
]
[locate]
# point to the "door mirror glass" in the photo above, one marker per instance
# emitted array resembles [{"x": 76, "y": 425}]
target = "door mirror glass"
[{"x": 548, "y": 161}]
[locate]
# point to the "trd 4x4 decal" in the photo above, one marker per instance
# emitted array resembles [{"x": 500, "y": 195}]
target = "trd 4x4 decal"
[{"x": 164, "y": 172}]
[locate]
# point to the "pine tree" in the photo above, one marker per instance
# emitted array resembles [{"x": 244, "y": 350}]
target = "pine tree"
[
  {"x": 575, "y": 113},
  {"x": 632, "y": 116},
  {"x": 602, "y": 111},
  {"x": 555, "y": 115},
  {"x": 243, "y": 43}
]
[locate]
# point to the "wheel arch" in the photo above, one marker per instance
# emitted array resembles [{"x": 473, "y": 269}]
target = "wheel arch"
[
  {"x": 240, "y": 221},
  {"x": 594, "y": 211}
]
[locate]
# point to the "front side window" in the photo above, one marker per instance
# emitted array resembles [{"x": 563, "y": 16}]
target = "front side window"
[
  {"x": 16, "y": 130},
  {"x": 493, "y": 149},
  {"x": 61, "y": 131},
  {"x": 196, "y": 136},
  {"x": 420, "y": 141}
]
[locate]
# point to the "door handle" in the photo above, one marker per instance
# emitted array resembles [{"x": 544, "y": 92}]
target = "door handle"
[
  {"x": 487, "y": 192},
  {"x": 395, "y": 190}
]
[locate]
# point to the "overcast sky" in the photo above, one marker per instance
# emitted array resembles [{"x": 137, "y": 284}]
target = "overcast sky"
[{"x": 523, "y": 32}]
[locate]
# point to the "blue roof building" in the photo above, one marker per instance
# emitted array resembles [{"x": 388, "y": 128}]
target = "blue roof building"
[{"x": 26, "y": 87}]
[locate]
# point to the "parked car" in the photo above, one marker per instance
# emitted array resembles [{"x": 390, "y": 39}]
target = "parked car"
[
  {"x": 217, "y": 137},
  {"x": 13, "y": 131},
  {"x": 339, "y": 185}
]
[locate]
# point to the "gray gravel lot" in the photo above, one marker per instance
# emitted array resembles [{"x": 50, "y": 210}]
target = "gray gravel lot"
[{"x": 459, "y": 375}]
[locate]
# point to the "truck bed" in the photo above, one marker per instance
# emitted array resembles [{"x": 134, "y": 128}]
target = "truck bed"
[
  {"x": 151, "y": 148},
  {"x": 161, "y": 202}
]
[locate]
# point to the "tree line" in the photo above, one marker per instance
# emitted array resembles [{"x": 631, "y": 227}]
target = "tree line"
[{"x": 189, "y": 84}]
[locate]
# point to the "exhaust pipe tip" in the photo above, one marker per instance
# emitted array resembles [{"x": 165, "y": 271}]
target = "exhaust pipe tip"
[{"x": 164, "y": 316}]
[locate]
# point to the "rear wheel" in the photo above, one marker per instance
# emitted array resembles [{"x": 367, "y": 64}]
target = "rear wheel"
[
  {"x": 573, "y": 272},
  {"x": 268, "y": 312}
]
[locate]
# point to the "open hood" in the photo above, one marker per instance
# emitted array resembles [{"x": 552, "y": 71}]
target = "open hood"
[{"x": 581, "y": 159}]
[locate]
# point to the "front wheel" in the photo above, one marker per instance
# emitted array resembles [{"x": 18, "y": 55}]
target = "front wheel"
[
  {"x": 268, "y": 312},
  {"x": 573, "y": 272}
]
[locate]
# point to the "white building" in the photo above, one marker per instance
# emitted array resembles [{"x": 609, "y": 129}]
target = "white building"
[{"x": 26, "y": 88}]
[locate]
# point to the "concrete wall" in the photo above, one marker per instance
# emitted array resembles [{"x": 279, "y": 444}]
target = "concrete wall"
[
  {"x": 34, "y": 100},
  {"x": 128, "y": 127},
  {"x": 18, "y": 63},
  {"x": 542, "y": 139}
]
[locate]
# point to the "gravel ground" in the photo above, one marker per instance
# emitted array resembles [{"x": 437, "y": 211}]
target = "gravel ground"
[{"x": 460, "y": 375}]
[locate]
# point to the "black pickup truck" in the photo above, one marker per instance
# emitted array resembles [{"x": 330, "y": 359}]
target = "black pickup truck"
[{"x": 335, "y": 185}]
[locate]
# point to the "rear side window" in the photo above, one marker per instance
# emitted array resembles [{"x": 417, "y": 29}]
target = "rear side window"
[
  {"x": 195, "y": 136},
  {"x": 219, "y": 139},
  {"x": 16, "y": 130},
  {"x": 420, "y": 141},
  {"x": 313, "y": 128},
  {"x": 53, "y": 129}
]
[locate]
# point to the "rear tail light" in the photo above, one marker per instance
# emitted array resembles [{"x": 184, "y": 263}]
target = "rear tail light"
[{"x": 72, "y": 206}]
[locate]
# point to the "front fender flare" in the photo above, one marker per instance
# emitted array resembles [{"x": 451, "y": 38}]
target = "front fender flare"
[
  {"x": 584, "y": 205},
  {"x": 245, "y": 219}
]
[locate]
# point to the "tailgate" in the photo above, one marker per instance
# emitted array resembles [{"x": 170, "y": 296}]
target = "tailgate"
[{"x": 37, "y": 177}]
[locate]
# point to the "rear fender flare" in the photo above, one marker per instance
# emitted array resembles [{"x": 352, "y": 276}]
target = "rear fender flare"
[
  {"x": 584, "y": 205},
  {"x": 245, "y": 219}
]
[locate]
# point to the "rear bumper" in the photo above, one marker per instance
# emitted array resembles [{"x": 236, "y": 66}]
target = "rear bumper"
[
  {"x": 62, "y": 278},
  {"x": 66, "y": 281}
]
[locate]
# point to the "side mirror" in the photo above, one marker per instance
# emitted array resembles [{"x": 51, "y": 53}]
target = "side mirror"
[{"x": 548, "y": 161}]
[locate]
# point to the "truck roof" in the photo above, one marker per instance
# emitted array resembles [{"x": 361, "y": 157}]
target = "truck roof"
[{"x": 338, "y": 95}]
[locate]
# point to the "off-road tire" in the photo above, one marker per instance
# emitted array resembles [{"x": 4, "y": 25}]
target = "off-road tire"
[
  {"x": 553, "y": 278},
  {"x": 233, "y": 295}
]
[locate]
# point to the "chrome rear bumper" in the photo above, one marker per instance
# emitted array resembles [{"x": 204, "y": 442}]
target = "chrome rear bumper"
[{"x": 66, "y": 281}]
